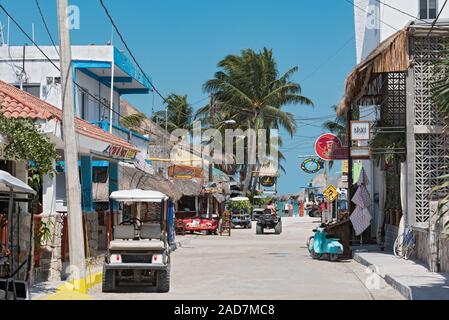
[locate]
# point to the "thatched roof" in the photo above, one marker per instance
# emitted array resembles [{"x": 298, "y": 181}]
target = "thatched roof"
[
  {"x": 390, "y": 56},
  {"x": 188, "y": 188},
  {"x": 133, "y": 178}
]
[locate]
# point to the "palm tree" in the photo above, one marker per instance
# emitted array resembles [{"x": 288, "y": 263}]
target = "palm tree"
[
  {"x": 179, "y": 113},
  {"x": 440, "y": 92},
  {"x": 250, "y": 90},
  {"x": 133, "y": 121},
  {"x": 338, "y": 126}
]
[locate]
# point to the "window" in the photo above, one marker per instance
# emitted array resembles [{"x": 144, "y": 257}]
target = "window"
[
  {"x": 100, "y": 174},
  {"x": 32, "y": 89},
  {"x": 427, "y": 9},
  {"x": 84, "y": 106}
]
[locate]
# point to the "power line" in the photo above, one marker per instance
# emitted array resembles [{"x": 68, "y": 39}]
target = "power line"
[
  {"x": 82, "y": 89},
  {"x": 130, "y": 52},
  {"x": 360, "y": 8},
  {"x": 46, "y": 26},
  {"x": 436, "y": 19},
  {"x": 330, "y": 58}
]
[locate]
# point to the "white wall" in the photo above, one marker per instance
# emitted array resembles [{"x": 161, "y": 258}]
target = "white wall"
[{"x": 383, "y": 21}]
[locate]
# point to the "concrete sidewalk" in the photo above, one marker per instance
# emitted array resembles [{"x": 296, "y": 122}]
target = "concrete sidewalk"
[{"x": 411, "y": 279}]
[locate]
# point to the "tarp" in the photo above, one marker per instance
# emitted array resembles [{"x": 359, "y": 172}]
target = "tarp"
[{"x": 9, "y": 183}]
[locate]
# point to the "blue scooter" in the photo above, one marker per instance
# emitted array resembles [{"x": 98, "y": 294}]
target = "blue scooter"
[{"x": 322, "y": 245}]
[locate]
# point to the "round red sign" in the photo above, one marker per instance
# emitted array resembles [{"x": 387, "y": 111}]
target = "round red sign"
[{"x": 326, "y": 145}]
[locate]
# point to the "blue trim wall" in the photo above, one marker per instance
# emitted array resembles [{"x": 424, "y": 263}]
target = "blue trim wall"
[
  {"x": 124, "y": 63},
  {"x": 113, "y": 181},
  {"x": 86, "y": 184}
]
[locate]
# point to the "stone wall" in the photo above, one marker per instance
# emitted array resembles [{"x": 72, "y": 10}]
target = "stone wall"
[
  {"x": 50, "y": 266},
  {"x": 24, "y": 242},
  {"x": 423, "y": 248},
  {"x": 91, "y": 222}
]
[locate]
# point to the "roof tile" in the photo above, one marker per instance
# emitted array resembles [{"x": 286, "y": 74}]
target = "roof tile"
[{"x": 15, "y": 103}]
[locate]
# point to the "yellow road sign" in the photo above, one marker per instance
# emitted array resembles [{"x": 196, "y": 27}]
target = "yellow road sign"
[{"x": 331, "y": 193}]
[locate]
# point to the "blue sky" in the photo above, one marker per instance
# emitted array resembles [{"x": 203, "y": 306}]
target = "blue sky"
[{"x": 179, "y": 43}]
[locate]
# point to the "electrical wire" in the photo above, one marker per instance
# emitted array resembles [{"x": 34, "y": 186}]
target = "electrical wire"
[
  {"x": 380, "y": 20},
  {"x": 436, "y": 19},
  {"x": 130, "y": 52},
  {"x": 82, "y": 89},
  {"x": 46, "y": 26}
]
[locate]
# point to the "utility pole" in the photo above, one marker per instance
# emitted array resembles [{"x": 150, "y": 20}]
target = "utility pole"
[
  {"x": 73, "y": 189},
  {"x": 210, "y": 200}
]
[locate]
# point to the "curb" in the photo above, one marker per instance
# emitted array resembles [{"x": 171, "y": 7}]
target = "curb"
[
  {"x": 404, "y": 290},
  {"x": 67, "y": 290}
]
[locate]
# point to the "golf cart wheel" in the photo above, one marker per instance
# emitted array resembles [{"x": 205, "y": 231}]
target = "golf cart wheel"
[
  {"x": 310, "y": 243},
  {"x": 278, "y": 228},
  {"x": 259, "y": 229},
  {"x": 108, "y": 283},
  {"x": 163, "y": 281},
  {"x": 334, "y": 257}
]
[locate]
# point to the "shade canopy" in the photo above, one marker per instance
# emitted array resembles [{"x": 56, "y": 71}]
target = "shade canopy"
[
  {"x": 239, "y": 199},
  {"x": 138, "y": 195},
  {"x": 9, "y": 183}
]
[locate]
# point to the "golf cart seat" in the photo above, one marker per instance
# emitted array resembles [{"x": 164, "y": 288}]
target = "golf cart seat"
[
  {"x": 151, "y": 231},
  {"x": 123, "y": 245},
  {"x": 124, "y": 232}
]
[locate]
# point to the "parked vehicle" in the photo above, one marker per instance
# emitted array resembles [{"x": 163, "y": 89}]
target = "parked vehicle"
[
  {"x": 257, "y": 212},
  {"x": 199, "y": 224},
  {"x": 269, "y": 221},
  {"x": 139, "y": 253},
  {"x": 241, "y": 218},
  {"x": 324, "y": 246}
]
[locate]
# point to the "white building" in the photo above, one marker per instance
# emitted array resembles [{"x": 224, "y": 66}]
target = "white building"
[{"x": 376, "y": 20}]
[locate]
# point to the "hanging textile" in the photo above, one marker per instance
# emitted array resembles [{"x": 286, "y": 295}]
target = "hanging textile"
[
  {"x": 361, "y": 220},
  {"x": 361, "y": 217},
  {"x": 356, "y": 170}
]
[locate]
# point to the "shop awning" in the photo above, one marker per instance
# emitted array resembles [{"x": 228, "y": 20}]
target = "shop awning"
[
  {"x": 9, "y": 183},
  {"x": 390, "y": 56}
]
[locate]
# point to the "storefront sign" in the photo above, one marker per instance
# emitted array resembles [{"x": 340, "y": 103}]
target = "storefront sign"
[
  {"x": 360, "y": 153},
  {"x": 312, "y": 165},
  {"x": 328, "y": 147},
  {"x": 121, "y": 152},
  {"x": 185, "y": 172},
  {"x": 267, "y": 181},
  {"x": 345, "y": 167},
  {"x": 360, "y": 130}
]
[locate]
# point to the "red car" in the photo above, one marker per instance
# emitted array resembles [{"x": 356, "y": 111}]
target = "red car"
[{"x": 198, "y": 224}]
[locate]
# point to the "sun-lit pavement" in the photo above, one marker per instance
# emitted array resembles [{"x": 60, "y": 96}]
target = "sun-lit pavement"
[{"x": 246, "y": 266}]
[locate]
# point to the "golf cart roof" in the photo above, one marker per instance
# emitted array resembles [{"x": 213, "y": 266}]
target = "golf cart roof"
[
  {"x": 8, "y": 183},
  {"x": 239, "y": 199},
  {"x": 138, "y": 195}
]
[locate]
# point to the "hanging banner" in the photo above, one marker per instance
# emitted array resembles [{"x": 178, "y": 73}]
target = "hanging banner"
[
  {"x": 328, "y": 147},
  {"x": 312, "y": 165}
]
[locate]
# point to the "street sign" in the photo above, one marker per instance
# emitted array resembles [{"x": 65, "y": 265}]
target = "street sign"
[
  {"x": 360, "y": 130},
  {"x": 328, "y": 147},
  {"x": 331, "y": 193}
]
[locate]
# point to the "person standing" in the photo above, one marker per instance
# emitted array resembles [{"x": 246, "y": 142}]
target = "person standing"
[{"x": 286, "y": 208}]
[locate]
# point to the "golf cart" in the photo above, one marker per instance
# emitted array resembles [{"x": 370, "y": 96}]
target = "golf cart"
[
  {"x": 139, "y": 253},
  {"x": 240, "y": 215},
  {"x": 257, "y": 212},
  {"x": 269, "y": 221}
]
